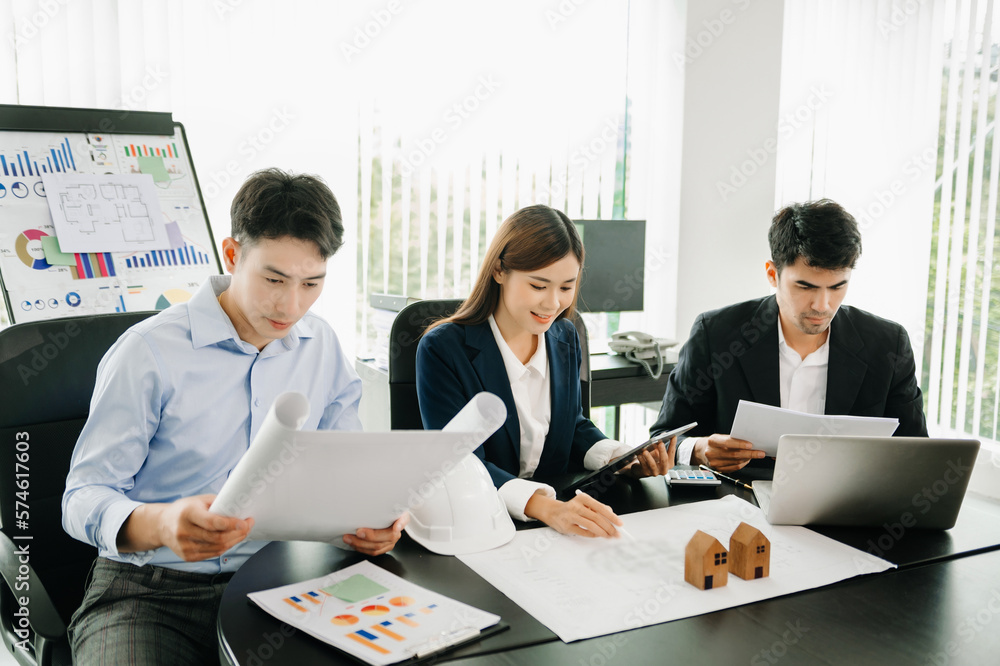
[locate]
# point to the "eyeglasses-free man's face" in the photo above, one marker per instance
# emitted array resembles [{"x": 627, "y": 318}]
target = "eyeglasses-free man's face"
[
  {"x": 808, "y": 297},
  {"x": 275, "y": 282}
]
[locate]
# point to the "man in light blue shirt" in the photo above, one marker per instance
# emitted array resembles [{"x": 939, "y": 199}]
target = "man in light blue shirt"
[{"x": 177, "y": 401}]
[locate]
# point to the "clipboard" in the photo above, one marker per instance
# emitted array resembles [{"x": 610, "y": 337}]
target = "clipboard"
[
  {"x": 433, "y": 651},
  {"x": 445, "y": 648},
  {"x": 424, "y": 657},
  {"x": 622, "y": 461}
]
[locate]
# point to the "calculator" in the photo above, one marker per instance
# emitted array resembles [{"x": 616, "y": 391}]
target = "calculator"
[{"x": 692, "y": 477}]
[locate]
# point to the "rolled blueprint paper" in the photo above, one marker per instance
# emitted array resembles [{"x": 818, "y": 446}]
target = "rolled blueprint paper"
[
  {"x": 320, "y": 485},
  {"x": 275, "y": 442}
]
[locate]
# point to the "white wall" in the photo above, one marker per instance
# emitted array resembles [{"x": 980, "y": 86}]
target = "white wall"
[
  {"x": 730, "y": 117},
  {"x": 656, "y": 90}
]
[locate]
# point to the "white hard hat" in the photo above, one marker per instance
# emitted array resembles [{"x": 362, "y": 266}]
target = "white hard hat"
[{"x": 462, "y": 514}]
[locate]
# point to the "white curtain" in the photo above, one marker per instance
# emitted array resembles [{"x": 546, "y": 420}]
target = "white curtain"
[
  {"x": 256, "y": 84},
  {"x": 860, "y": 91},
  {"x": 529, "y": 98},
  {"x": 963, "y": 313},
  {"x": 483, "y": 109}
]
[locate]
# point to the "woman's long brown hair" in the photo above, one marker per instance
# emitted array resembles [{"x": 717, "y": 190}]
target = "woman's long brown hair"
[{"x": 532, "y": 238}]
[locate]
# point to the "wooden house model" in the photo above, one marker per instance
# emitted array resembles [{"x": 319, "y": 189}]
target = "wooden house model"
[
  {"x": 749, "y": 553},
  {"x": 705, "y": 562}
]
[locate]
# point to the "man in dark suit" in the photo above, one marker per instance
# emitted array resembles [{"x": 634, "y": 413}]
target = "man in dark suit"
[{"x": 798, "y": 349}]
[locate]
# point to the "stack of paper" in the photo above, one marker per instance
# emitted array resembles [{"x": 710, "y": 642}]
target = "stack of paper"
[{"x": 374, "y": 615}]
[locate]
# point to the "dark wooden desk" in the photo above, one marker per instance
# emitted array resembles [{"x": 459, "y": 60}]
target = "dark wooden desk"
[
  {"x": 246, "y": 632},
  {"x": 615, "y": 381},
  {"x": 942, "y": 613},
  {"x": 943, "y": 577}
]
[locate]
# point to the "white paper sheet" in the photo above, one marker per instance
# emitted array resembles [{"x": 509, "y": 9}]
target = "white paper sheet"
[
  {"x": 393, "y": 623},
  {"x": 318, "y": 486},
  {"x": 764, "y": 425},
  {"x": 581, "y": 588},
  {"x": 106, "y": 213}
]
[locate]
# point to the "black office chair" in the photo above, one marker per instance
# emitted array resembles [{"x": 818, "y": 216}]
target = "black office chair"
[
  {"x": 404, "y": 336},
  {"x": 47, "y": 372},
  {"x": 581, "y": 332},
  {"x": 409, "y": 325}
]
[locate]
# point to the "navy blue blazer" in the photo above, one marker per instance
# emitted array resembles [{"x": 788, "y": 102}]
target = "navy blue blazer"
[{"x": 455, "y": 362}]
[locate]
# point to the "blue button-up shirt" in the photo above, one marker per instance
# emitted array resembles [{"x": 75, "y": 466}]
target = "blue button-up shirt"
[{"x": 178, "y": 399}]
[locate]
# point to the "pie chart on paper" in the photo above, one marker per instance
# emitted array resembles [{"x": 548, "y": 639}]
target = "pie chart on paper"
[
  {"x": 344, "y": 620},
  {"x": 28, "y": 246},
  {"x": 172, "y": 297},
  {"x": 375, "y": 610}
]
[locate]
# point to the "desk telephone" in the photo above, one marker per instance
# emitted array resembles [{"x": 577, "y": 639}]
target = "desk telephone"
[{"x": 642, "y": 348}]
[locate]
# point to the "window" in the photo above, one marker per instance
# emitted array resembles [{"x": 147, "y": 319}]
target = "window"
[
  {"x": 430, "y": 127},
  {"x": 435, "y": 179},
  {"x": 720, "y": 558},
  {"x": 558, "y": 119},
  {"x": 962, "y": 330}
]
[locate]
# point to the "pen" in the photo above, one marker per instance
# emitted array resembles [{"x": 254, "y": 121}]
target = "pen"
[
  {"x": 625, "y": 532},
  {"x": 620, "y": 528},
  {"x": 727, "y": 478}
]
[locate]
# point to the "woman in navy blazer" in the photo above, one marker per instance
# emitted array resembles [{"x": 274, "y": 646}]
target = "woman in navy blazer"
[{"x": 511, "y": 337}]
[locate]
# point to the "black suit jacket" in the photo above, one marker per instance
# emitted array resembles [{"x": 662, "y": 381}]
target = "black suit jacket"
[{"x": 732, "y": 355}]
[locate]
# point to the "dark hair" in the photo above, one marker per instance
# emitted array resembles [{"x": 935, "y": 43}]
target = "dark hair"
[
  {"x": 273, "y": 203},
  {"x": 821, "y": 232},
  {"x": 532, "y": 238}
]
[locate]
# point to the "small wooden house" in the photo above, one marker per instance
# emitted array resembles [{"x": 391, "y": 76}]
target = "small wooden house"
[
  {"x": 705, "y": 562},
  {"x": 749, "y": 552}
]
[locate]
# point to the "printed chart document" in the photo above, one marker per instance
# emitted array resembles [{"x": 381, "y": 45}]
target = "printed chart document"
[
  {"x": 320, "y": 485},
  {"x": 581, "y": 588},
  {"x": 764, "y": 425},
  {"x": 106, "y": 213},
  {"x": 375, "y": 615}
]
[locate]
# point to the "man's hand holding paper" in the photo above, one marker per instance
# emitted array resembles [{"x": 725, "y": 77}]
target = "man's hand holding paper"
[
  {"x": 185, "y": 526},
  {"x": 377, "y": 542},
  {"x": 724, "y": 453}
]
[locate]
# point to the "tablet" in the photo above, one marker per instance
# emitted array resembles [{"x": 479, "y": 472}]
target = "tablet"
[{"x": 607, "y": 472}]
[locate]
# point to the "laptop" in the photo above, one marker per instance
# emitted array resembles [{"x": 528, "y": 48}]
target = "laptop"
[{"x": 867, "y": 481}]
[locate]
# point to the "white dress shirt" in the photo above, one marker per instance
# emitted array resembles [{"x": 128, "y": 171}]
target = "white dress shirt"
[
  {"x": 530, "y": 386},
  {"x": 177, "y": 401},
  {"x": 801, "y": 382}
]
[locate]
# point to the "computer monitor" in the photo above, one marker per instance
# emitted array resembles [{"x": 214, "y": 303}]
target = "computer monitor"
[{"x": 613, "y": 265}]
